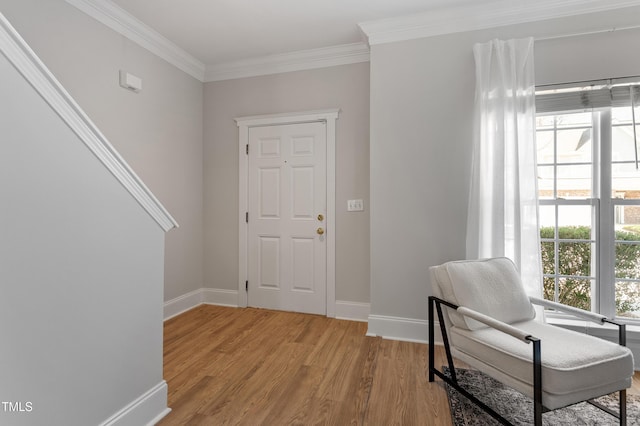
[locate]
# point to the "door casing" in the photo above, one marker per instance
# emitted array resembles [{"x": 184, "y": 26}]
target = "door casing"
[{"x": 328, "y": 116}]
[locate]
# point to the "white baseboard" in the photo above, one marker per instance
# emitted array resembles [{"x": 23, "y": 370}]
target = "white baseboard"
[
  {"x": 182, "y": 303},
  {"x": 405, "y": 329},
  {"x": 353, "y": 311},
  {"x": 216, "y": 296},
  {"x": 437, "y": 339},
  {"x": 210, "y": 296},
  {"x": 148, "y": 409}
]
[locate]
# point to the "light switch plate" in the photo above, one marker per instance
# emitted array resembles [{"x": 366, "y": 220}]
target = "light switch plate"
[{"x": 355, "y": 205}]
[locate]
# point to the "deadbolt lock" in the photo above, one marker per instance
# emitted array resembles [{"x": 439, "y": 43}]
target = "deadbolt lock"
[{"x": 320, "y": 217}]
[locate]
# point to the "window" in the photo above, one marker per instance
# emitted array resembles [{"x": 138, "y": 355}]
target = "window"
[{"x": 589, "y": 193}]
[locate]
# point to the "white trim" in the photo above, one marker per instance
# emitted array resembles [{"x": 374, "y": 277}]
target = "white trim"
[
  {"x": 286, "y": 62},
  {"x": 396, "y": 328},
  {"x": 182, "y": 303},
  {"x": 288, "y": 118},
  {"x": 345, "y": 310},
  {"x": 352, "y": 311},
  {"x": 220, "y": 297},
  {"x": 243, "y": 207},
  {"x": 435, "y": 22},
  {"x": 122, "y": 22},
  {"x": 42, "y": 80},
  {"x": 331, "y": 117},
  {"x": 437, "y": 338},
  {"x": 148, "y": 409},
  {"x": 209, "y": 296},
  {"x": 244, "y": 123},
  {"x": 481, "y": 16}
]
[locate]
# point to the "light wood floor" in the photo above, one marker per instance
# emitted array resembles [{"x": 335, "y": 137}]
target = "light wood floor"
[{"x": 260, "y": 367}]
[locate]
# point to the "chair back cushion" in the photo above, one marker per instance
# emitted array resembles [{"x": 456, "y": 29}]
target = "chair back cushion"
[{"x": 489, "y": 286}]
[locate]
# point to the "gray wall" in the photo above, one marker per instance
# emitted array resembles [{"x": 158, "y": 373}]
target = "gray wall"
[
  {"x": 345, "y": 87},
  {"x": 157, "y": 131},
  {"x": 422, "y": 95},
  {"x": 80, "y": 274}
]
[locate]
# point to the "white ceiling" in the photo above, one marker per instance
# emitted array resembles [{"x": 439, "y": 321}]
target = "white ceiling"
[{"x": 222, "y": 31}]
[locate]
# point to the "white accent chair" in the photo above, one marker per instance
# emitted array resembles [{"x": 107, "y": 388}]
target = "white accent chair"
[{"x": 489, "y": 322}]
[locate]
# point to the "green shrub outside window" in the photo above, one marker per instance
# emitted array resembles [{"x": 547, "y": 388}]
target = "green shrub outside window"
[{"x": 574, "y": 287}]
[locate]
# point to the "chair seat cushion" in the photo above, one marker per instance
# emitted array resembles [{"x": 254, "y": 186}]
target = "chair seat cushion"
[{"x": 571, "y": 361}]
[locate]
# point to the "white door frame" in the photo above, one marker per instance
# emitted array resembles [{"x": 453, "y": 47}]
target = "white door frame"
[{"x": 329, "y": 116}]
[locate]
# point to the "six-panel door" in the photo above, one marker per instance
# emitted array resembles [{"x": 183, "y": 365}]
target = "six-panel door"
[{"x": 287, "y": 210}]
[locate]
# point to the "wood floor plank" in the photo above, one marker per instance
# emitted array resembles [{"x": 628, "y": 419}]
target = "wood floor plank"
[
  {"x": 356, "y": 400},
  {"x": 188, "y": 406},
  {"x": 397, "y": 396},
  {"x": 229, "y": 366},
  {"x": 254, "y": 397},
  {"x": 294, "y": 403}
]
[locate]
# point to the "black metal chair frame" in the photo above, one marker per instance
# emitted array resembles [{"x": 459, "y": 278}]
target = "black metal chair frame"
[{"x": 538, "y": 408}]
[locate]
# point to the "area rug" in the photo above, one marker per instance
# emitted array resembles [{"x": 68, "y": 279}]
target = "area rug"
[{"x": 518, "y": 409}]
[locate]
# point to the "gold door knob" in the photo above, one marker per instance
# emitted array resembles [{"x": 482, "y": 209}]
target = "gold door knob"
[
  {"x": 320, "y": 231},
  {"x": 320, "y": 217}
]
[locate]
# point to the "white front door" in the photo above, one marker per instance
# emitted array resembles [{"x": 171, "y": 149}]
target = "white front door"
[{"x": 287, "y": 205}]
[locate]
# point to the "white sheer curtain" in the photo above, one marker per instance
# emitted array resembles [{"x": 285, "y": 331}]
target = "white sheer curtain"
[{"x": 503, "y": 204}]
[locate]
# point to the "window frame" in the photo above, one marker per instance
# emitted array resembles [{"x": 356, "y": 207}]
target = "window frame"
[{"x": 603, "y": 204}]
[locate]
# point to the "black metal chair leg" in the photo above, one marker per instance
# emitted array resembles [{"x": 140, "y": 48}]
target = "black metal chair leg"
[
  {"x": 623, "y": 407},
  {"x": 537, "y": 382},
  {"x": 445, "y": 341},
  {"x": 431, "y": 341}
]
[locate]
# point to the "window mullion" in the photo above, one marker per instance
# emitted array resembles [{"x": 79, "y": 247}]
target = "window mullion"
[
  {"x": 605, "y": 218},
  {"x": 556, "y": 236}
]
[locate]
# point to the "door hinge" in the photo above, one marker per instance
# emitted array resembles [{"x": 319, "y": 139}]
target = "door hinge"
[
  {"x": 246, "y": 286},
  {"x": 247, "y": 149},
  {"x": 246, "y": 217}
]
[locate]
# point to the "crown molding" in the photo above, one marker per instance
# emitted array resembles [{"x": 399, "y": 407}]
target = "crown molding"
[
  {"x": 436, "y": 22},
  {"x": 16, "y": 50},
  {"x": 481, "y": 16},
  {"x": 122, "y": 22},
  {"x": 294, "y": 61}
]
